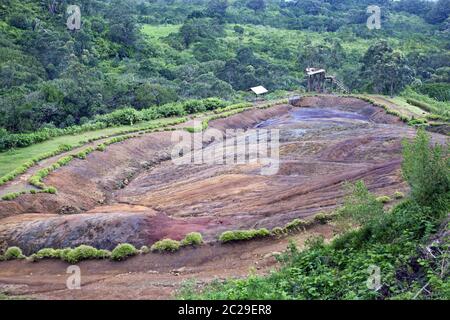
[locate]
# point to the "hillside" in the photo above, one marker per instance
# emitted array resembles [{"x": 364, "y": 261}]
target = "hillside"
[
  {"x": 134, "y": 149},
  {"x": 142, "y": 54}
]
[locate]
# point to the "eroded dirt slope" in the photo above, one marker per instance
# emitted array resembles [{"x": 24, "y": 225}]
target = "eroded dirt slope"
[{"x": 134, "y": 193}]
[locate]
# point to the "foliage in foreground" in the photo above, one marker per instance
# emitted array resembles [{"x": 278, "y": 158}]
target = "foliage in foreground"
[{"x": 398, "y": 242}]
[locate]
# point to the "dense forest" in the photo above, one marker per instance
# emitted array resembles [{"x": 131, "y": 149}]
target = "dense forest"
[{"x": 148, "y": 53}]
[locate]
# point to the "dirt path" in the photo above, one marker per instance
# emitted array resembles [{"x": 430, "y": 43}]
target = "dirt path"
[
  {"x": 151, "y": 276},
  {"x": 401, "y": 110}
]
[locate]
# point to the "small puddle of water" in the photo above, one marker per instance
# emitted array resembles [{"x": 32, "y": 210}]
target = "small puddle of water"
[{"x": 311, "y": 114}]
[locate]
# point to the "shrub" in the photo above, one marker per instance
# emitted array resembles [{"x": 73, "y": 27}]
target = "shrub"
[
  {"x": 145, "y": 249},
  {"x": 103, "y": 254},
  {"x": 170, "y": 110},
  {"x": 399, "y": 195},
  {"x": 13, "y": 253},
  {"x": 243, "y": 235},
  {"x": 417, "y": 122},
  {"x": 322, "y": 218},
  {"x": 194, "y": 106},
  {"x": 425, "y": 168},
  {"x": 193, "y": 238},
  {"x": 123, "y": 251},
  {"x": 149, "y": 114},
  {"x": 101, "y": 147},
  {"x": 360, "y": 204},
  {"x": 12, "y": 196},
  {"x": 80, "y": 253},
  {"x": 277, "y": 231},
  {"x": 48, "y": 253},
  {"x": 51, "y": 190},
  {"x": 166, "y": 245},
  {"x": 125, "y": 116},
  {"x": 384, "y": 199}
]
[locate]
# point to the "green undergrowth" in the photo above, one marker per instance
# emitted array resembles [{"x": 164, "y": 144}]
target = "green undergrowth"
[
  {"x": 439, "y": 110},
  {"x": 243, "y": 235},
  {"x": 119, "y": 253},
  {"x": 388, "y": 110},
  {"x": 120, "y": 117},
  {"x": 232, "y": 110}
]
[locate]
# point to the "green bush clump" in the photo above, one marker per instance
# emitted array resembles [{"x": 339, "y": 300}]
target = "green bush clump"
[
  {"x": 80, "y": 253},
  {"x": 243, "y": 235},
  {"x": 103, "y": 254},
  {"x": 192, "y": 239},
  {"x": 399, "y": 195},
  {"x": 21, "y": 140},
  {"x": 13, "y": 253},
  {"x": 322, "y": 218},
  {"x": 384, "y": 199},
  {"x": 83, "y": 154},
  {"x": 12, "y": 196},
  {"x": 166, "y": 245},
  {"x": 149, "y": 114},
  {"x": 392, "y": 241},
  {"x": 125, "y": 116},
  {"x": 194, "y": 106},
  {"x": 51, "y": 190},
  {"x": 47, "y": 253},
  {"x": 426, "y": 103},
  {"x": 170, "y": 110},
  {"x": 295, "y": 225},
  {"x": 243, "y": 105},
  {"x": 439, "y": 91},
  {"x": 425, "y": 168},
  {"x": 101, "y": 147},
  {"x": 36, "y": 180},
  {"x": 123, "y": 251},
  {"x": 417, "y": 122},
  {"x": 64, "y": 160}
]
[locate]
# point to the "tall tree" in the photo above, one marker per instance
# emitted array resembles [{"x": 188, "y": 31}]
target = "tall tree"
[
  {"x": 386, "y": 70},
  {"x": 217, "y": 8}
]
